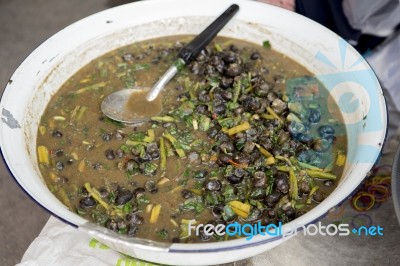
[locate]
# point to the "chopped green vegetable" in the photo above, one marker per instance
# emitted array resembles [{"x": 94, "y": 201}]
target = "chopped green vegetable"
[
  {"x": 163, "y": 234},
  {"x": 228, "y": 214},
  {"x": 176, "y": 144},
  {"x": 293, "y": 189},
  {"x": 137, "y": 136},
  {"x": 149, "y": 169},
  {"x": 239, "y": 128},
  {"x": 321, "y": 175},
  {"x": 193, "y": 204},
  {"x": 226, "y": 122},
  {"x": 135, "y": 143},
  {"x": 137, "y": 67},
  {"x": 179, "y": 64},
  {"x": 270, "y": 184},
  {"x": 150, "y": 136},
  {"x": 214, "y": 82},
  {"x": 128, "y": 207},
  {"x": 91, "y": 87},
  {"x": 229, "y": 193},
  {"x": 186, "y": 108},
  {"x": 143, "y": 200},
  {"x": 237, "y": 88},
  {"x": 110, "y": 121},
  {"x": 81, "y": 111},
  {"x": 272, "y": 112},
  {"x": 312, "y": 192},
  {"x": 163, "y": 155},
  {"x": 218, "y": 47},
  {"x": 99, "y": 217},
  {"x": 163, "y": 118},
  {"x": 96, "y": 195},
  {"x": 264, "y": 151},
  {"x": 266, "y": 44}
]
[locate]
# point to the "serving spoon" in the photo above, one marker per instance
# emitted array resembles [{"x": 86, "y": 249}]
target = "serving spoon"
[{"x": 117, "y": 105}]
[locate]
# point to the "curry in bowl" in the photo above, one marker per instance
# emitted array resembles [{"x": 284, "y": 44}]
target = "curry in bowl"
[{"x": 241, "y": 134}]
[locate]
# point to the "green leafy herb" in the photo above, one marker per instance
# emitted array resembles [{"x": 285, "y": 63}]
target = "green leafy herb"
[
  {"x": 215, "y": 172},
  {"x": 187, "y": 172},
  {"x": 185, "y": 177},
  {"x": 186, "y": 108},
  {"x": 123, "y": 230},
  {"x": 125, "y": 148},
  {"x": 111, "y": 196},
  {"x": 163, "y": 234},
  {"x": 232, "y": 105},
  {"x": 205, "y": 123},
  {"x": 137, "y": 136},
  {"x": 228, "y": 214},
  {"x": 214, "y": 82},
  {"x": 226, "y": 122},
  {"x": 128, "y": 207},
  {"x": 188, "y": 120},
  {"x": 128, "y": 81},
  {"x": 179, "y": 64},
  {"x": 140, "y": 67},
  {"x": 110, "y": 121},
  {"x": 254, "y": 213},
  {"x": 211, "y": 199},
  {"x": 270, "y": 182},
  {"x": 229, "y": 193},
  {"x": 266, "y": 44},
  {"x": 193, "y": 204},
  {"x": 149, "y": 169},
  {"x": 85, "y": 131},
  {"x": 199, "y": 185},
  {"x": 240, "y": 144},
  {"x": 103, "y": 72},
  {"x": 257, "y": 193},
  {"x": 237, "y": 87},
  {"x": 99, "y": 217},
  {"x": 142, "y": 200},
  {"x": 80, "y": 211}
]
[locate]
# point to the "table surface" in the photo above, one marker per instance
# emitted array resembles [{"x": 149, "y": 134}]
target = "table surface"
[{"x": 396, "y": 183}]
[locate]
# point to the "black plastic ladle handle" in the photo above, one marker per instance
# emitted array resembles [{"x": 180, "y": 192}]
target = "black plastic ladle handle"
[{"x": 189, "y": 52}]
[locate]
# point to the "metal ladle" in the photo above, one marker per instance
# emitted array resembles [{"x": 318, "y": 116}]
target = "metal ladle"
[{"x": 115, "y": 105}]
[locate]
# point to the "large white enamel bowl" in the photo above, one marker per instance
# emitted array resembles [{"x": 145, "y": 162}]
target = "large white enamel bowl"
[{"x": 343, "y": 71}]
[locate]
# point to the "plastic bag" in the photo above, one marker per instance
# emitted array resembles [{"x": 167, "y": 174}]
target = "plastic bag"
[
  {"x": 62, "y": 244},
  {"x": 378, "y": 18},
  {"x": 386, "y": 64}
]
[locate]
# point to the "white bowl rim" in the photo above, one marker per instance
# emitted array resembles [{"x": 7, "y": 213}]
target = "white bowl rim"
[{"x": 204, "y": 247}]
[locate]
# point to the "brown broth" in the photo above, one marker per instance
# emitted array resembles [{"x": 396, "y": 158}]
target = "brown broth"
[
  {"x": 138, "y": 107},
  {"x": 78, "y": 156}
]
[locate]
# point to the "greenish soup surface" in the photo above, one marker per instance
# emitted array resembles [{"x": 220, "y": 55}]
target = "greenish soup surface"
[{"x": 244, "y": 134}]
